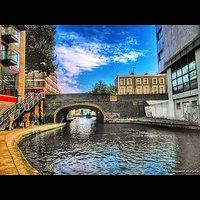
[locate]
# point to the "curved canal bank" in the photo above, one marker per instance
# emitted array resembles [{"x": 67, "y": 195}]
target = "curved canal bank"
[
  {"x": 156, "y": 122},
  {"x": 12, "y": 161}
]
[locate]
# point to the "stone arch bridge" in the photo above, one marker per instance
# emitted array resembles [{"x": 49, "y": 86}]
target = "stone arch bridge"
[{"x": 106, "y": 106}]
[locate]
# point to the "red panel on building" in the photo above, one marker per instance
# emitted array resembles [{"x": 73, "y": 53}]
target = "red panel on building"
[{"x": 8, "y": 98}]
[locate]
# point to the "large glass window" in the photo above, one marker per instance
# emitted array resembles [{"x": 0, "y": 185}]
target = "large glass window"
[
  {"x": 180, "y": 81},
  {"x": 193, "y": 75},
  {"x": 179, "y": 72},
  {"x": 173, "y": 75},
  {"x": 185, "y": 69},
  {"x": 184, "y": 77},
  {"x": 174, "y": 83},
  {"x": 192, "y": 66}
]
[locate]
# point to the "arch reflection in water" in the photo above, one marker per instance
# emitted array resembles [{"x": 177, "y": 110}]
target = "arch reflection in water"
[
  {"x": 62, "y": 114},
  {"x": 87, "y": 147}
]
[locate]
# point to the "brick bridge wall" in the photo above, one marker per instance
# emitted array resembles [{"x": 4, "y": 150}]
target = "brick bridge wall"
[{"x": 112, "y": 106}]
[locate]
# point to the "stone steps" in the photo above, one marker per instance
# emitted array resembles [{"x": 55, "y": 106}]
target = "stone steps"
[{"x": 5, "y": 105}]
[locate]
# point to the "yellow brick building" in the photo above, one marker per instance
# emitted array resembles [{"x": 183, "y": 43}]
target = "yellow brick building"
[{"x": 141, "y": 84}]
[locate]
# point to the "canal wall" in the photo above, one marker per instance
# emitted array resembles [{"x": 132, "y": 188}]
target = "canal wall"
[{"x": 157, "y": 122}]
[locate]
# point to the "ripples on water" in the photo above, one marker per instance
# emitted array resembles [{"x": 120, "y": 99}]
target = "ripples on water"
[{"x": 86, "y": 147}]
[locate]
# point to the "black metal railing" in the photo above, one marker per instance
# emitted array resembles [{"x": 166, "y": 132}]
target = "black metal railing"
[
  {"x": 24, "y": 106},
  {"x": 22, "y": 27},
  {"x": 9, "y": 57},
  {"x": 10, "y": 34},
  {"x": 8, "y": 91}
]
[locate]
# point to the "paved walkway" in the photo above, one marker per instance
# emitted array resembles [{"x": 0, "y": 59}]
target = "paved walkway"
[
  {"x": 157, "y": 122},
  {"x": 12, "y": 161}
]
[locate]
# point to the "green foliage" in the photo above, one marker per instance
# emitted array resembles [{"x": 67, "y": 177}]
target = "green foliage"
[
  {"x": 102, "y": 88},
  {"x": 40, "y": 49},
  {"x": 112, "y": 89}
]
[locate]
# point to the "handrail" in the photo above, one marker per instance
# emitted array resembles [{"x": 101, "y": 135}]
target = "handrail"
[{"x": 19, "y": 108}]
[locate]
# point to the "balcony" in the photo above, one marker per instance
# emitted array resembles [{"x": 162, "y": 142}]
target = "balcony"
[
  {"x": 22, "y": 27},
  {"x": 9, "y": 57},
  {"x": 10, "y": 34}
]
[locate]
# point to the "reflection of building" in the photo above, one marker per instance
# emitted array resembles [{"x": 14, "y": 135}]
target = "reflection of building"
[
  {"x": 141, "y": 84},
  {"x": 36, "y": 81},
  {"x": 12, "y": 61},
  {"x": 178, "y": 49}
]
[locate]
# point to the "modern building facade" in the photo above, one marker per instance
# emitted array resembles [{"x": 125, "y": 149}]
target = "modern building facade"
[
  {"x": 36, "y": 82},
  {"x": 178, "y": 48},
  {"x": 141, "y": 84},
  {"x": 12, "y": 62}
]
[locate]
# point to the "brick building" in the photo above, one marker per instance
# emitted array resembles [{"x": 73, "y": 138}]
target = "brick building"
[
  {"x": 141, "y": 84},
  {"x": 36, "y": 81}
]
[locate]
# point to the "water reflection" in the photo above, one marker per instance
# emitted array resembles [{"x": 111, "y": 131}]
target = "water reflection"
[{"x": 86, "y": 147}]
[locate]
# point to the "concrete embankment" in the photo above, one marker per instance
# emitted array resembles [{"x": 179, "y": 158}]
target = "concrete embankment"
[
  {"x": 157, "y": 122},
  {"x": 12, "y": 161}
]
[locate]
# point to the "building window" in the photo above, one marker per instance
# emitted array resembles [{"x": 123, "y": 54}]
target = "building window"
[
  {"x": 38, "y": 83},
  {"x": 185, "y": 77},
  {"x": 145, "y": 81},
  {"x": 161, "y": 80},
  {"x": 159, "y": 34},
  {"x": 154, "y": 80},
  {"x": 192, "y": 66},
  {"x": 138, "y": 81},
  {"x": 185, "y": 69},
  {"x": 160, "y": 55},
  {"x": 129, "y": 81},
  {"x": 178, "y": 106},
  {"x": 18, "y": 36},
  {"x": 129, "y": 90},
  {"x": 122, "y": 82},
  {"x": 194, "y": 104},
  {"x": 162, "y": 89},
  {"x": 16, "y": 57},
  {"x": 145, "y": 90},
  {"x": 139, "y": 90},
  {"x": 155, "y": 90},
  {"x": 122, "y": 91}
]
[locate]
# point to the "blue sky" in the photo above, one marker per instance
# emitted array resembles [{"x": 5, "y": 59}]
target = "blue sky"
[{"x": 89, "y": 53}]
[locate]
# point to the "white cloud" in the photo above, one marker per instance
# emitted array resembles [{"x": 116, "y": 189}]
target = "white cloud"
[
  {"x": 76, "y": 55},
  {"x": 65, "y": 88},
  {"x": 74, "y": 61},
  {"x": 124, "y": 58}
]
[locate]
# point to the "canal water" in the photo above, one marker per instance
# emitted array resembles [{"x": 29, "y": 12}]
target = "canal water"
[{"x": 86, "y": 147}]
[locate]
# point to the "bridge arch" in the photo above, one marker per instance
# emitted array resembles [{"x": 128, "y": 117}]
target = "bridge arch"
[{"x": 62, "y": 112}]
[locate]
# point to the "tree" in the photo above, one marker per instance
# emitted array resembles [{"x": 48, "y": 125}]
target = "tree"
[
  {"x": 100, "y": 88},
  {"x": 40, "y": 49},
  {"x": 112, "y": 89}
]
